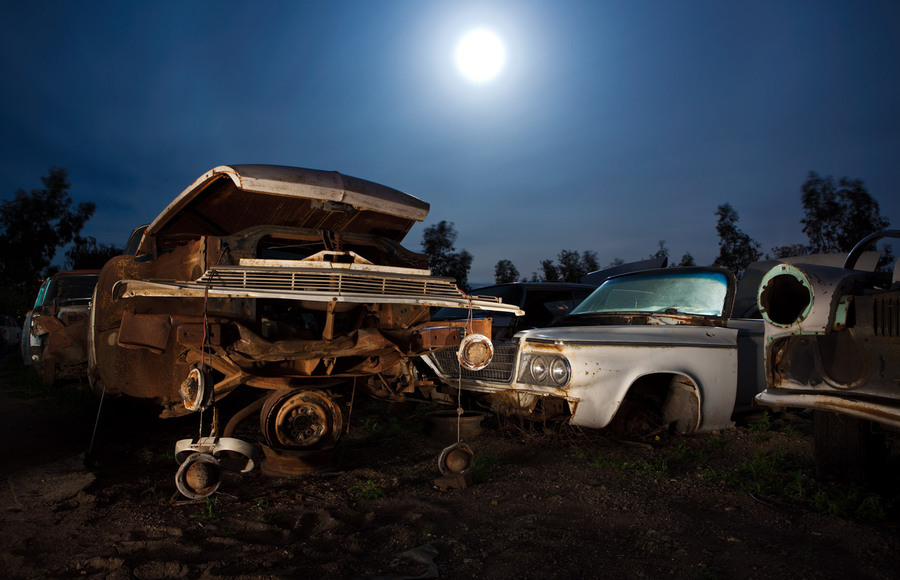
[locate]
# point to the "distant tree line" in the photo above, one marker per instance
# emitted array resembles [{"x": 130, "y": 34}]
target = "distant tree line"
[
  {"x": 836, "y": 215},
  {"x": 34, "y": 226}
]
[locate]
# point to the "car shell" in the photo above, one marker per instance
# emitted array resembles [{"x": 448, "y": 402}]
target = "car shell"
[
  {"x": 832, "y": 345},
  {"x": 54, "y": 335},
  {"x": 278, "y": 278},
  {"x": 680, "y": 369},
  {"x": 832, "y": 337}
]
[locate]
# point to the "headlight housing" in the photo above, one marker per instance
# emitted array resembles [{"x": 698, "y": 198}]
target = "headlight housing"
[{"x": 545, "y": 370}]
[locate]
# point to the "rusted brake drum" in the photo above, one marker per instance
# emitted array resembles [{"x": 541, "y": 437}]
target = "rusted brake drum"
[
  {"x": 199, "y": 476},
  {"x": 300, "y": 419}
]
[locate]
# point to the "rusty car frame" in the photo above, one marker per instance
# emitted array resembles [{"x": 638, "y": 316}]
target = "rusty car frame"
[
  {"x": 289, "y": 281},
  {"x": 832, "y": 344}
]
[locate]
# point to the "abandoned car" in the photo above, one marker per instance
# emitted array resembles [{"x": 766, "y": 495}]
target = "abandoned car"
[
  {"x": 645, "y": 352},
  {"x": 832, "y": 339},
  {"x": 287, "y": 280},
  {"x": 54, "y": 336},
  {"x": 10, "y": 332}
]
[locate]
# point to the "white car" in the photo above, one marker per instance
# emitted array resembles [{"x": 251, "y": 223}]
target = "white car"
[{"x": 646, "y": 352}]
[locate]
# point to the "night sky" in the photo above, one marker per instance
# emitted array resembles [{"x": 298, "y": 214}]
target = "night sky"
[{"x": 611, "y": 125}]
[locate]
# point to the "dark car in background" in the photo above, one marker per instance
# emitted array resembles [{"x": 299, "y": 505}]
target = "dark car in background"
[{"x": 54, "y": 335}]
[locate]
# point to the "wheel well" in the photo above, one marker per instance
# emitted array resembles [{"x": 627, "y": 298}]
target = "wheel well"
[{"x": 674, "y": 397}]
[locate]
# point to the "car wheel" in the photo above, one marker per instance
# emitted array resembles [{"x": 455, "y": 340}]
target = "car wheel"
[
  {"x": 847, "y": 448},
  {"x": 636, "y": 418}
]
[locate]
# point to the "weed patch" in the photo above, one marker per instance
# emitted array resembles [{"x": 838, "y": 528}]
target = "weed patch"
[
  {"x": 209, "y": 511},
  {"x": 366, "y": 489}
]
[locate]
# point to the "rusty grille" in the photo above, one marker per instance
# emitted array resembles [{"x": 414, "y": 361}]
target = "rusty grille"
[
  {"x": 335, "y": 282},
  {"x": 500, "y": 369},
  {"x": 886, "y": 315}
]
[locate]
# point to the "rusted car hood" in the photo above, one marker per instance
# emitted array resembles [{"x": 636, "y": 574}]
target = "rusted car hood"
[{"x": 229, "y": 199}]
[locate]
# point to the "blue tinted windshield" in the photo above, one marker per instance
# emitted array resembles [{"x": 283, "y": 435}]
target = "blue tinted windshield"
[{"x": 695, "y": 292}]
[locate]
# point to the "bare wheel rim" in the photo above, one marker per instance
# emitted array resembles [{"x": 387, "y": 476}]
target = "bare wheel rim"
[{"x": 300, "y": 419}]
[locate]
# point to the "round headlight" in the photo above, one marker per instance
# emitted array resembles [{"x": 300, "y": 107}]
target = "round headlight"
[
  {"x": 559, "y": 371},
  {"x": 475, "y": 352},
  {"x": 539, "y": 368}
]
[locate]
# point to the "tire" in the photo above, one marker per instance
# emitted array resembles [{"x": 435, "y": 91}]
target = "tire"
[{"x": 847, "y": 449}]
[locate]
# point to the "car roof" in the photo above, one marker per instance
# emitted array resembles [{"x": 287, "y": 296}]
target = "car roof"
[
  {"x": 541, "y": 285},
  {"x": 231, "y": 198}
]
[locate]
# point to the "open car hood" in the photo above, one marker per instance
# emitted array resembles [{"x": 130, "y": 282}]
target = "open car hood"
[{"x": 229, "y": 199}]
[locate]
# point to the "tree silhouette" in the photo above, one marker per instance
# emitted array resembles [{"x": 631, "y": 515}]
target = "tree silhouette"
[
  {"x": 33, "y": 226},
  {"x": 86, "y": 254},
  {"x": 736, "y": 249},
  {"x": 438, "y": 244},
  {"x": 505, "y": 272},
  {"x": 836, "y": 217}
]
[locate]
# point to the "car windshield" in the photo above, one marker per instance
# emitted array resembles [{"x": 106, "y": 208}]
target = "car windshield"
[
  {"x": 71, "y": 287},
  {"x": 696, "y": 292}
]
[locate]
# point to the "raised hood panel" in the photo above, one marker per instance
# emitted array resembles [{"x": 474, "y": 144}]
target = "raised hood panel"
[{"x": 229, "y": 199}]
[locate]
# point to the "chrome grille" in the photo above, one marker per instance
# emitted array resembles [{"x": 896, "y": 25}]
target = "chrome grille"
[
  {"x": 333, "y": 282},
  {"x": 500, "y": 370}
]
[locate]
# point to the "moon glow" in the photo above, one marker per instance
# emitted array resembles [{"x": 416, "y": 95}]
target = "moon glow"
[{"x": 480, "y": 55}]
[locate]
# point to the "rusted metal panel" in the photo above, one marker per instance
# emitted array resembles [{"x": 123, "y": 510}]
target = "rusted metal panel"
[
  {"x": 884, "y": 412},
  {"x": 199, "y": 334},
  {"x": 150, "y": 331},
  {"x": 447, "y": 334},
  {"x": 46, "y": 324}
]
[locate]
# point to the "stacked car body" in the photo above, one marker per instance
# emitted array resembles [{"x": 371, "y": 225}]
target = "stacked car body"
[{"x": 286, "y": 280}]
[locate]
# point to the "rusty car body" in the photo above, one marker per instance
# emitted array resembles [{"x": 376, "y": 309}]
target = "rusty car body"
[
  {"x": 645, "y": 352},
  {"x": 54, "y": 335},
  {"x": 832, "y": 344},
  {"x": 286, "y": 280}
]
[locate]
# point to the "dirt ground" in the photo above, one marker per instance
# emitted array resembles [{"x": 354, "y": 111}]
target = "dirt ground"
[{"x": 544, "y": 503}]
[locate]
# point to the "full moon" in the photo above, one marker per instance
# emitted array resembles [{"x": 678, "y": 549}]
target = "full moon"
[{"x": 480, "y": 55}]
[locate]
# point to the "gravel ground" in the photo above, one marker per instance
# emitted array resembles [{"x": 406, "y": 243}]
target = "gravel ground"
[{"x": 544, "y": 502}]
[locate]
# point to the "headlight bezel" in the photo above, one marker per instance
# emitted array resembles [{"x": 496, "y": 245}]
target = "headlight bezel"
[{"x": 545, "y": 370}]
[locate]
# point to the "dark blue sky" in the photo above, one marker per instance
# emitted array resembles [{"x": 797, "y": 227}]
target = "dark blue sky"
[{"x": 612, "y": 126}]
